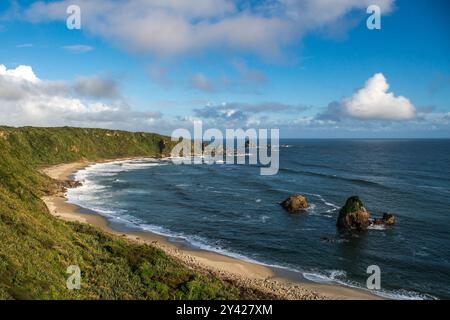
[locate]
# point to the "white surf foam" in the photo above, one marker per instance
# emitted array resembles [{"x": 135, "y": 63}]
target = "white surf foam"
[{"x": 377, "y": 227}]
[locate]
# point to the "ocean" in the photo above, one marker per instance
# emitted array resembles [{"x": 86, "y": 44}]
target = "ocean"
[{"x": 234, "y": 210}]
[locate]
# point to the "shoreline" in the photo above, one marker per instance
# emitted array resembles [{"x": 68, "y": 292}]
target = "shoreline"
[{"x": 265, "y": 278}]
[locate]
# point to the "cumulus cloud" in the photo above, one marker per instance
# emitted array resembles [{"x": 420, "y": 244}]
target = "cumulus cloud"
[
  {"x": 26, "y": 99},
  {"x": 374, "y": 102},
  {"x": 19, "y": 74},
  {"x": 173, "y": 27}
]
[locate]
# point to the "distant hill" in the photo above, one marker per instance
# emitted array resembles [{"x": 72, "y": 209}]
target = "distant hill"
[{"x": 36, "y": 248}]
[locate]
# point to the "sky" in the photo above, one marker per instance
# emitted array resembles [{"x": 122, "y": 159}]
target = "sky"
[{"x": 311, "y": 68}]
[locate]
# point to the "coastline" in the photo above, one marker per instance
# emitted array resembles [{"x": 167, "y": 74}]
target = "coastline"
[{"x": 247, "y": 274}]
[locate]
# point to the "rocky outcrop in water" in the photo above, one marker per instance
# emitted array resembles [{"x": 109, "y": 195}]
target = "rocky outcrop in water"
[
  {"x": 388, "y": 219},
  {"x": 354, "y": 216},
  {"x": 295, "y": 204}
]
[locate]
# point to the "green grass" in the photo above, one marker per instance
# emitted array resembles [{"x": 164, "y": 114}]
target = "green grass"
[
  {"x": 36, "y": 248},
  {"x": 353, "y": 204}
]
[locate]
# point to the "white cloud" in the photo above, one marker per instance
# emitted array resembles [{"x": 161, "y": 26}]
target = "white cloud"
[
  {"x": 170, "y": 27},
  {"x": 19, "y": 74},
  {"x": 374, "y": 102},
  {"x": 27, "y": 100}
]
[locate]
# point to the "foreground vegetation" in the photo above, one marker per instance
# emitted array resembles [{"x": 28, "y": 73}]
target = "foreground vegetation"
[{"x": 36, "y": 248}]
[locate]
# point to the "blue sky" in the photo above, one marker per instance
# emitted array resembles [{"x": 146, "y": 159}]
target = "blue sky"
[{"x": 288, "y": 64}]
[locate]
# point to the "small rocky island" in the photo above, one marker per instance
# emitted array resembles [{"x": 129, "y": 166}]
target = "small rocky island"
[
  {"x": 295, "y": 204},
  {"x": 355, "y": 217},
  {"x": 388, "y": 219}
]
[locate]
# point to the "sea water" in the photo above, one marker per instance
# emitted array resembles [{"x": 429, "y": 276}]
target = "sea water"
[{"x": 234, "y": 210}]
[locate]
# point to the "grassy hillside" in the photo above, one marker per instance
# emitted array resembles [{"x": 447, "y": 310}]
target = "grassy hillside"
[{"x": 36, "y": 248}]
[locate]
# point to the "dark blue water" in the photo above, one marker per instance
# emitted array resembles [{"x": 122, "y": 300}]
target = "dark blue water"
[{"x": 233, "y": 209}]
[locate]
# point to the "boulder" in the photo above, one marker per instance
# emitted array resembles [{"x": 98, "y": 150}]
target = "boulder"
[
  {"x": 388, "y": 219},
  {"x": 295, "y": 204},
  {"x": 353, "y": 215}
]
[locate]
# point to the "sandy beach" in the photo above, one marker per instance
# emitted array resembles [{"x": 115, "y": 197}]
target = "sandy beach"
[{"x": 241, "y": 272}]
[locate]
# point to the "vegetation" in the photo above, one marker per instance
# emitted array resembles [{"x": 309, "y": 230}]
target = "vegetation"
[
  {"x": 353, "y": 204},
  {"x": 36, "y": 248}
]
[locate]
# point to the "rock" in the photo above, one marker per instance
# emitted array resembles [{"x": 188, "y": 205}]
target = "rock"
[
  {"x": 388, "y": 219},
  {"x": 69, "y": 184},
  {"x": 59, "y": 188},
  {"x": 295, "y": 204},
  {"x": 353, "y": 215}
]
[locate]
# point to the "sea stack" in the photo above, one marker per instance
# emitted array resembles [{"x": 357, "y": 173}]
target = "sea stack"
[
  {"x": 295, "y": 204},
  {"x": 353, "y": 215}
]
